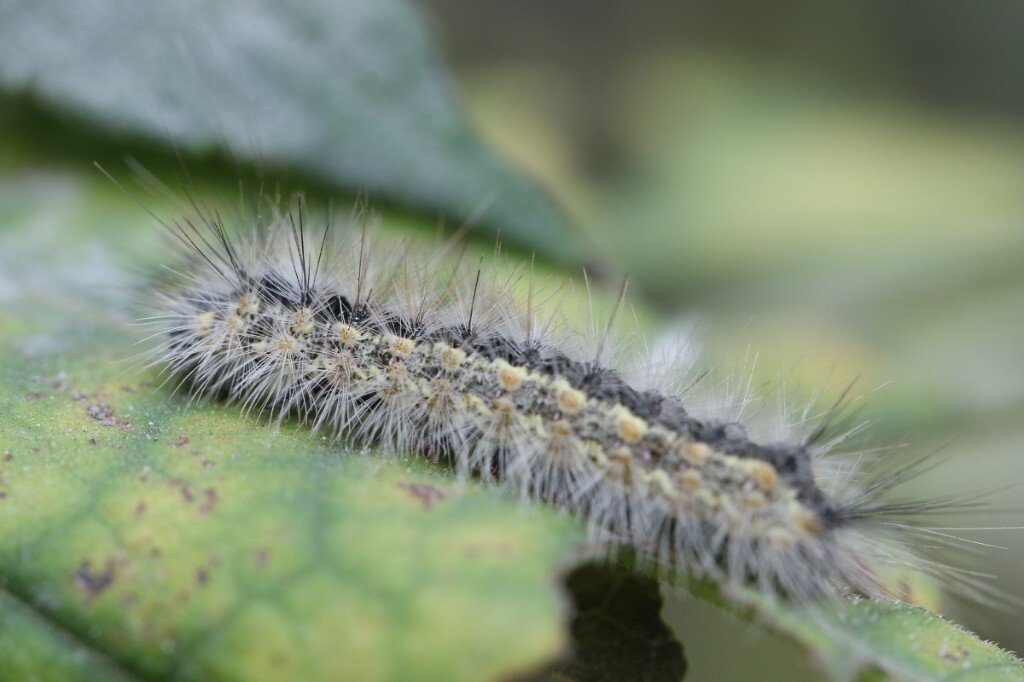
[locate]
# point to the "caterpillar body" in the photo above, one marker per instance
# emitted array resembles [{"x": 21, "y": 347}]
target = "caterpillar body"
[{"x": 420, "y": 355}]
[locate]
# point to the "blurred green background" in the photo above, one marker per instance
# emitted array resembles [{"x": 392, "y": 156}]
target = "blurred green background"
[{"x": 839, "y": 186}]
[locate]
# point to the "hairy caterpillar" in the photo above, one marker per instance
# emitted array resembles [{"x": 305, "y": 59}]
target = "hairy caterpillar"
[{"x": 418, "y": 354}]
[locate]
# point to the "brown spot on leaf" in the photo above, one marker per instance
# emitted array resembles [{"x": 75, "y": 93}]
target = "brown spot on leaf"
[
  {"x": 202, "y": 576},
  {"x": 427, "y": 494},
  {"x": 33, "y": 396},
  {"x": 140, "y": 507},
  {"x": 7, "y": 457},
  {"x": 91, "y": 581},
  {"x": 3, "y": 494},
  {"x": 92, "y": 441},
  {"x": 104, "y": 416},
  {"x": 181, "y": 442},
  {"x": 186, "y": 493},
  {"x": 953, "y": 655},
  {"x": 210, "y": 502}
]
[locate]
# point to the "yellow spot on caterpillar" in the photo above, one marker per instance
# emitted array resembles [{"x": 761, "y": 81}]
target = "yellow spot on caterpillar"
[
  {"x": 450, "y": 357},
  {"x": 763, "y": 474},
  {"x": 440, "y": 401},
  {"x": 302, "y": 322},
  {"x": 780, "y": 539},
  {"x": 234, "y": 324},
  {"x": 804, "y": 519},
  {"x": 248, "y": 304},
  {"x": 697, "y": 454},
  {"x": 395, "y": 383},
  {"x": 562, "y": 445},
  {"x": 570, "y": 401},
  {"x": 504, "y": 405},
  {"x": 343, "y": 369},
  {"x": 347, "y": 334},
  {"x": 340, "y": 357},
  {"x": 204, "y": 322},
  {"x": 622, "y": 459},
  {"x": 510, "y": 378},
  {"x": 629, "y": 427},
  {"x": 288, "y": 344},
  {"x": 561, "y": 428},
  {"x": 736, "y": 523},
  {"x": 754, "y": 501},
  {"x": 401, "y": 347},
  {"x": 475, "y": 405},
  {"x": 504, "y": 417},
  {"x": 710, "y": 503},
  {"x": 733, "y": 462},
  {"x": 396, "y": 370},
  {"x": 621, "y": 455},
  {"x": 440, "y": 386},
  {"x": 690, "y": 480},
  {"x": 598, "y": 457},
  {"x": 661, "y": 482}
]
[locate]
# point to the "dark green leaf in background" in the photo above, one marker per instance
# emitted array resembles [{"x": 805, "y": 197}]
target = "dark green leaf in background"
[{"x": 348, "y": 92}]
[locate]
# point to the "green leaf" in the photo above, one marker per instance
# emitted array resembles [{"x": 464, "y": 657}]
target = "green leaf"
[
  {"x": 30, "y": 644},
  {"x": 349, "y": 92},
  {"x": 873, "y": 639},
  {"x": 902, "y": 640}
]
